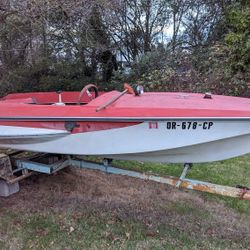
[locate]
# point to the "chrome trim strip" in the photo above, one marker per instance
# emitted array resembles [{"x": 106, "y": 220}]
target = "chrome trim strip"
[{"x": 121, "y": 119}]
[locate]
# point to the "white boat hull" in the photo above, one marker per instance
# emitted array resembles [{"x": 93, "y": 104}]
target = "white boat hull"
[{"x": 177, "y": 141}]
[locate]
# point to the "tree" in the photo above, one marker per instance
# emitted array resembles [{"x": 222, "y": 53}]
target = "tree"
[
  {"x": 200, "y": 21},
  {"x": 178, "y": 9},
  {"x": 136, "y": 26},
  {"x": 238, "y": 38}
]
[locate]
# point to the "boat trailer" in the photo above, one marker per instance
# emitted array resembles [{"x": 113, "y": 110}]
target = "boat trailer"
[{"x": 17, "y": 166}]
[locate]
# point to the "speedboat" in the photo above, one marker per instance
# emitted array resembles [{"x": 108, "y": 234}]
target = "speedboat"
[{"x": 129, "y": 125}]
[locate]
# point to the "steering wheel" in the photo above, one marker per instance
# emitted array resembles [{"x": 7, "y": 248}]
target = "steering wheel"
[{"x": 88, "y": 89}]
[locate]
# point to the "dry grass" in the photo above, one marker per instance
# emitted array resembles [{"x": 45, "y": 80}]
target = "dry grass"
[{"x": 162, "y": 215}]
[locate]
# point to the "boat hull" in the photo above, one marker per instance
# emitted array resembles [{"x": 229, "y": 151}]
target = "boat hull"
[{"x": 169, "y": 140}]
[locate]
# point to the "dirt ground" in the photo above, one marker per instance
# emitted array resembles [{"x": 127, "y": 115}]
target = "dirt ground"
[{"x": 75, "y": 190}]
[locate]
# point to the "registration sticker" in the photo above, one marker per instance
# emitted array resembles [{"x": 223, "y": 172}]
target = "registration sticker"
[{"x": 153, "y": 125}]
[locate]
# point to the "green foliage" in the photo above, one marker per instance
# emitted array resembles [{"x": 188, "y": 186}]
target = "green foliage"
[
  {"x": 205, "y": 69},
  {"x": 43, "y": 75},
  {"x": 222, "y": 68},
  {"x": 153, "y": 60},
  {"x": 238, "y": 39}
]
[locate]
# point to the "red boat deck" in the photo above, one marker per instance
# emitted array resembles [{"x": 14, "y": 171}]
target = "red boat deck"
[{"x": 148, "y": 105}]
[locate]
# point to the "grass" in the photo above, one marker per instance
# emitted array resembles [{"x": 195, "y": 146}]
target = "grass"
[
  {"x": 52, "y": 231},
  {"x": 231, "y": 172},
  {"x": 88, "y": 228}
]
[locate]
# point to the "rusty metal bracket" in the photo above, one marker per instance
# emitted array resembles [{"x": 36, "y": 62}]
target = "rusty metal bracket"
[{"x": 187, "y": 167}]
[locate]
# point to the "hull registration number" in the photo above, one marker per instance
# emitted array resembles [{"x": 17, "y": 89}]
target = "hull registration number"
[
  {"x": 187, "y": 125},
  {"x": 206, "y": 125}
]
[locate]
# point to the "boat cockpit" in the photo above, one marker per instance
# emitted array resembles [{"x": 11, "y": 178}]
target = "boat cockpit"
[{"x": 59, "y": 98}]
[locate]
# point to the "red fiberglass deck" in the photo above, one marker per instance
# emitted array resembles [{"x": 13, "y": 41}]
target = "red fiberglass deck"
[{"x": 149, "y": 105}]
